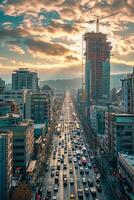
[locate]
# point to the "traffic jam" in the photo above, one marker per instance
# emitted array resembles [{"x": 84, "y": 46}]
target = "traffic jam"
[{"x": 71, "y": 172}]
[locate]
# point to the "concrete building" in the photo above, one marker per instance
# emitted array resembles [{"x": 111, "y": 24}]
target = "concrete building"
[
  {"x": 126, "y": 169},
  {"x": 128, "y": 93},
  {"x": 8, "y": 107},
  {"x": 97, "y": 118},
  {"x": 97, "y": 68},
  {"x": 23, "y": 140},
  {"x": 6, "y": 163},
  {"x": 19, "y": 96},
  {"x": 38, "y": 108},
  {"x": 2, "y": 86},
  {"x": 24, "y": 79},
  {"x": 119, "y": 133},
  {"x": 23, "y": 145}
]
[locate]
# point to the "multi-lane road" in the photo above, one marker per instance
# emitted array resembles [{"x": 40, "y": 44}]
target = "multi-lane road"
[{"x": 71, "y": 172}]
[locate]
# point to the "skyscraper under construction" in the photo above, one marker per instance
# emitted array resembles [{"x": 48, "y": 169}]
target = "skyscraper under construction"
[{"x": 97, "y": 68}]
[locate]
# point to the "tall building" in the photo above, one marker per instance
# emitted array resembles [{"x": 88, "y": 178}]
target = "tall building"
[
  {"x": 128, "y": 93},
  {"x": 24, "y": 79},
  {"x": 38, "y": 108},
  {"x": 97, "y": 68},
  {"x": 119, "y": 133},
  {"x": 23, "y": 139},
  {"x": 6, "y": 163},
  {"x": 2, "y": 86}
]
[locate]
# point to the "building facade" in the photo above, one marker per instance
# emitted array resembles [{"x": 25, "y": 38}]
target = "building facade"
[
  {"x": 23, "y": 140},
  {"x": 6, "y": 163},
  {"x": 97, "y": 118},
  {"x": 24, "y": 79},
  {"x": 119, "y": 133},
  {"x": 126, "y": 168},
  {"x": 2, "y": 86},
  {"x": 97, "y": 67},
  {"x": 19, "y": 96},
  {"x": 38, "y": 108},
  {"x": 128, "y": 93}
]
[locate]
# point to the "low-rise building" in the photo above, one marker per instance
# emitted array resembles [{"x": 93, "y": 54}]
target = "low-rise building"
[
  {"x": 6, "y": 163},
  {"x": 126, "y": 168}
]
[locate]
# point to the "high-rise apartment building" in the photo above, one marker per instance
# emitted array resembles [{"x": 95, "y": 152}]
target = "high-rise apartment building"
[
  {"x": 128, "y": 93},
  {"x": 38, "y": 108},
  {"x": 19, "y": 96},
  {"x": 97, "y": 67},
  {"x": 2, "y": 86},
  {"x": 6, "y": 163},
  {"x": 24, "y": 79},
  {"x": 23, "y": 140}
]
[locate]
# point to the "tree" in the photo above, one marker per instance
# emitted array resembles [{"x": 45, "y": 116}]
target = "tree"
[{"x": 22, "y": 192}]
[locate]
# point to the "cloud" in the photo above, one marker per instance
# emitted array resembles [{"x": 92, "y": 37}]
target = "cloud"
[
  {"x": 40, "y": 48},
  {"x": 15, "y": 48},
  {"x": 71, "y": 58}
]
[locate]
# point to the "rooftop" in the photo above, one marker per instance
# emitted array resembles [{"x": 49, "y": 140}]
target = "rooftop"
[{"x": 129, "y": 159}]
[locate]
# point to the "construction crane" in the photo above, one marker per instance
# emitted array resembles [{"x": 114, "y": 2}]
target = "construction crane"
[{"x": 98, "y": 19}]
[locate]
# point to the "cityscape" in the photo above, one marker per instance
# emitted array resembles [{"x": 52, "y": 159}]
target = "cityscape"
[{"x": 67, "y": 100}]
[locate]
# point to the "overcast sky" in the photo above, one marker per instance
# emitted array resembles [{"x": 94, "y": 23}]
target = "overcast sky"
[{"x": 46, "y": 35}]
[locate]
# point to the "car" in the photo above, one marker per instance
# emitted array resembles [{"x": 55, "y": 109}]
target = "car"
[
  {"x": 81, "y": 170},
  {"x": 70, "y": 159},
  {"x": 98, "y": 178},
  {"x": 65, "y": 166},
  {"x": 52, "y": 168},
  {"x": 93, "y": 190},
  {"x": 80, "y": 163},
  {"x": 72, "y": 197},
  {"x": 71, "y": 170},
  {"x": 65, "y": 181},
  {"x": 54, "y": 157},
  {"x": 76, "y": 165},
  {"x": 86, "y": 190},
  {"x": 57, "y": 172},
  {"x": 38, "y": 197},
  {"x": 71, "y": 181},
  {"x": 48, "y": 193},
  {"x": 84, "y": 180},
  {"x": 54, "y": 197},
  {"x": 58, "y": 159},
  {"x": 98, "y": 187},
  {"x": 52, "y": 174},
  {"x": 86, "y": 170},
  {"x": 56, "y": 188},
  {"x": 89, "y": 165},
  {"x": 90, "y": 182},
  {"x": 80, "y": 193}
]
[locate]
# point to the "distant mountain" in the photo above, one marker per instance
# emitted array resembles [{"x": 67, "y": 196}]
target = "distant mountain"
[{"x": 67, "y": 84}]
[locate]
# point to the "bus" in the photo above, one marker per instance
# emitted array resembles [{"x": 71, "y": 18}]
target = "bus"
[{"x": 84, "y": 160}]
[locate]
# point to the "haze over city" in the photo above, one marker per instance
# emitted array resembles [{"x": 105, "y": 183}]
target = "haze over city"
[{"x": 46, "y": 35}]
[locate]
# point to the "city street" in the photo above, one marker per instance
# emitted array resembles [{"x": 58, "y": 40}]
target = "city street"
[{"x": 71, "y": 172}]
